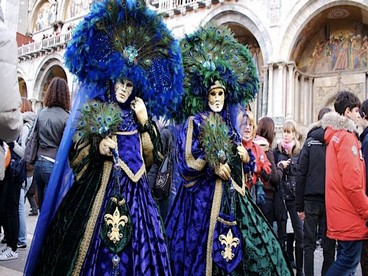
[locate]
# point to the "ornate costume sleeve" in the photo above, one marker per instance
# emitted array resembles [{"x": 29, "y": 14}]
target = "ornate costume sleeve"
[
  {"x": 191, "y": 157},
  {"x": 84, "y": 154},
  {"x": 151, "y": 143}
]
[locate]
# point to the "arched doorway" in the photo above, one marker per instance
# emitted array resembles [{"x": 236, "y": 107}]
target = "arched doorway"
[{"x": 331, "y": 54}]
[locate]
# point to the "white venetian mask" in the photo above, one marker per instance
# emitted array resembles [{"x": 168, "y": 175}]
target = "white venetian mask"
[
  {"x": 216, "y": 99},
  {"x": 123, "y": 90}
]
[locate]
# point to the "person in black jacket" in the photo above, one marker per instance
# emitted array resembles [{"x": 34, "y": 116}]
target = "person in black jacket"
[
  {"x": 364, "y": 139},
  {"x": 288, "y": 149},
  {"x": 310, "y": 196}
]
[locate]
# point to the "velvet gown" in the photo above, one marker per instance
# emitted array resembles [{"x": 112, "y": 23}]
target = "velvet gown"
[
  {"x": 191, "y": 221},
  {"x": 73, "y": 245}
]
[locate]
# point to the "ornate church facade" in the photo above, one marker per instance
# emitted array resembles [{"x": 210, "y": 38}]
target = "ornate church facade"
[{"x": 304, "y": 51}]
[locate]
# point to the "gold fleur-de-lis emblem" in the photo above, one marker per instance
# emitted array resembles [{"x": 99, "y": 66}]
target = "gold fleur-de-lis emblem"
[
  {"x": 115, "y": 221},
  {"x": 230, "y": 242}
]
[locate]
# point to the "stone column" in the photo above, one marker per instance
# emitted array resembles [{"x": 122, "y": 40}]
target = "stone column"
[
  {"x": 290, "y": 92},
  {"x": 279, "y": 92},
  {"x": 310, "y": 114},
  {"x": 296, "y": 100},
  {"x": 266, "y": 91},
  {"x": 302, "y": 99},
  {"x": 270, "y": 89}
]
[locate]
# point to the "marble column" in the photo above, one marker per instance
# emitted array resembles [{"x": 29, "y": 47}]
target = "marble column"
[{"x": 290, "y": 92}]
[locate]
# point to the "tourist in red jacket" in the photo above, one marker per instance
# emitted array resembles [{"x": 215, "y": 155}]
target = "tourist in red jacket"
[
  {"x": 346, "y": 201},
  {"x": 263, "y": 166}
]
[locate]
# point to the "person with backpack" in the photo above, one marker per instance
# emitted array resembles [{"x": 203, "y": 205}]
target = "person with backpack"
[
  {"x": 28, "y": 120},
  {"x": 310, "y": 196}
]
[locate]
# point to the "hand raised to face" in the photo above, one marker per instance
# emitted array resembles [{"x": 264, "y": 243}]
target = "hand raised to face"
[{"x": 140, "y": 110}]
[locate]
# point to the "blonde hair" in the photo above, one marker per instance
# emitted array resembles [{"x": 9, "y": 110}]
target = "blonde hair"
[
  {"x": 253, "y": 122},
  {"x": 291, "y": 126}
]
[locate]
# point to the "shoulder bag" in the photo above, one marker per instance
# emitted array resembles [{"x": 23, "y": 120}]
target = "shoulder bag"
[
  {"x": 30, "y": 152},
  {"x": 163, "y": 182}
]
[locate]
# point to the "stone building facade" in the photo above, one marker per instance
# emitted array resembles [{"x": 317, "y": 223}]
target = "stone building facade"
[{"x": 305, "y": 51}]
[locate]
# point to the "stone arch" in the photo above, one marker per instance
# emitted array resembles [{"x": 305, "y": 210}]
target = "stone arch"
[
  {"x": 43, "y": 73},
  {"x": 300, "y": 16},
  {"x": 64, "y": 9},
  {"x": 22, "y": 84},
  {"x": 237, "y": 13}
]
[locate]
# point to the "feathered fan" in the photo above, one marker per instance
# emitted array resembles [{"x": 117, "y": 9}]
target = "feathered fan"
[{"x": 215, "y": 140}]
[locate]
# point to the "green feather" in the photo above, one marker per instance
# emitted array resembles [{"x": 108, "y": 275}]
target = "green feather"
[
  {"x": 96, "y": 121},
  {"x": 215, "y": 140}
]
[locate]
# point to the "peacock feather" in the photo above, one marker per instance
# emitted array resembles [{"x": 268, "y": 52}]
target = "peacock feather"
[
  {"x": 125, "y": 39},
  {"x": 97, "y": 120},
  {"x": 213, "y": 54},
  {"x": 215, "y": 140}
]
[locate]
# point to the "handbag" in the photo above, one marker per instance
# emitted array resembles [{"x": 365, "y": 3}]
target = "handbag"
[
  {"x": 30, "y": 152},
  {"x": 162, "y": 186},
  {"x": 227, "y": 249}
]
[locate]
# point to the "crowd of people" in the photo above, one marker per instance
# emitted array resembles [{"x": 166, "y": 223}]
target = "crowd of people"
[{"x": 232, "y": 201}]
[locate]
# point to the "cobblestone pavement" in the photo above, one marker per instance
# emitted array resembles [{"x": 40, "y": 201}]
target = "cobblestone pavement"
[{"x": 16, "y": 267}]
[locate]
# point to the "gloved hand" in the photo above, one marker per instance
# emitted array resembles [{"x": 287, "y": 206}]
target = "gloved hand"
[
  {"x": 140, "y": 110},
  {"x": 243, "y": 153},
  {"x": 106, "y": 146},
  {"x": 223, "y": 171}
]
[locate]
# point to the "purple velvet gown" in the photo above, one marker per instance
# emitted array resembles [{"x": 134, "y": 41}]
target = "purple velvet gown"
[
  {"x": 147, "y": 253},
  {"x": 190, "y": 226},
  {"x": 74, "y": 234}
]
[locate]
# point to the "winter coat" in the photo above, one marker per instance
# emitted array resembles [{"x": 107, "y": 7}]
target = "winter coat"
[
  {"x": 10, "y": 116},
  {"x": 310, "y": 177},
  {"x": 346, "y": 201},
  {"x": 263, "y": 165},
  {"x": 288, "y": 182}
]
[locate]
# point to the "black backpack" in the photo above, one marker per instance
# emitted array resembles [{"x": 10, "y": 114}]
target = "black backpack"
[{"x": 17, "y": 168}]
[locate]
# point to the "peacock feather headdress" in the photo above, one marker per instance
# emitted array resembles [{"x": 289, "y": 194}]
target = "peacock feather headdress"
[
  {"x": 125, "y": 39},
  {"x": 212, "y": 54}
]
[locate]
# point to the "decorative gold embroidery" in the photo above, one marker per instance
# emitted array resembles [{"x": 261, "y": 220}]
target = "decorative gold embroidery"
[
  {"x": 127, "y": 170},
  {"x": 126, "y": 132},
  {"x": 147, "y": 149},
  {"x": 228, "y": 223},
  {"x": 96, "y": 207},
  {"x": 230, "y": 242},
  {"x": 130, "y": 174},
  {"x": 215, "y": 210},
  {"x": 82, "y": 154},
  {"x": 81, "y": 172},
  {"x": 197, "y": 164},
  {"x": 190, "y": 184},
  {"x": 115, "y": 221}
]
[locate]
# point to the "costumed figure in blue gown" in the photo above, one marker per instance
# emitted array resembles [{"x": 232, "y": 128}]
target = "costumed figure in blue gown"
[
  {"x": 214, "y": 226},
  {"x": 99, "y": 217}
]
